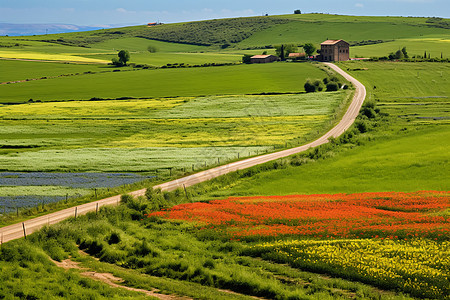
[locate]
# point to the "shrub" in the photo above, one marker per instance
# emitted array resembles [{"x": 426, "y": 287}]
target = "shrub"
[
  {"x": 362, "y": 126},
  {"x": 126, "y": 198},
  {"x": 309, "y": 87},
  {"x": 114, "y": 238},
  {"x": 246, "y": 59},
  {"x": 332, "y": 86}
]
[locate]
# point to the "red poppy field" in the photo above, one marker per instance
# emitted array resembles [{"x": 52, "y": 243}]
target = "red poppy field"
[
  {"x": 395, "y": 241},
  {"x": 368, "y": 215}
]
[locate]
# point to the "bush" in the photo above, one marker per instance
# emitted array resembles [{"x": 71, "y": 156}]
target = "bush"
[
  {"x": 332, "y": 86},
  {"x": 362, "y": 126},
  {"x": 309, "y": 87},
  {"x": 246, "y": 59},
  {"x": 126, "y": 198},
  {"x": 114, "y": 238},
  {"x": 152, "y": 49},
  {"x": 318, "y": 85}
]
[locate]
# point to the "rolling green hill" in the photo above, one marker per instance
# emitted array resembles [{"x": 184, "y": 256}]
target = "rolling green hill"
[{"x": 227, "y": 39}]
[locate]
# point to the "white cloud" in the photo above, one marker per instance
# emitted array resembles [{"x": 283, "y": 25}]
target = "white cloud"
[
  {"x": 124, "y": 11},
  {"x": 359, "y": 5}
]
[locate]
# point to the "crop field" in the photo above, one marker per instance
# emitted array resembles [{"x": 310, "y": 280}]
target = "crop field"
[
  {"x": 31, "y": 189},
  {"x": 161, "y": 133},
  {"x": 13, "y": 70},
  {"x": 435, "y": 46},
  {"x": 234, "y": 80},
  {"x": 391, "y": 240},
  {"x": 203, "y": 257}
]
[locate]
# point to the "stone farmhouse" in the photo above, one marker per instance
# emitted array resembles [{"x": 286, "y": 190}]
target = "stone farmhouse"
[
  {"x": 334, "y": 50},
  {"x": 261, "y": 59}
]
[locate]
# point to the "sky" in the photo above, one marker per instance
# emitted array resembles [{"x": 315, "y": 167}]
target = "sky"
[{"x": 132, "y": 12}]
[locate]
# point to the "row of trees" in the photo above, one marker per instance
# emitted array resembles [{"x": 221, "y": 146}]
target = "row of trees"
[
  {"x": 283, "y": 50},
  {"x": 330, "y": 83}
]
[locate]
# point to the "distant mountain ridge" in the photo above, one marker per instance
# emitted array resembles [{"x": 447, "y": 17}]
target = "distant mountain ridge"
[{"x": 38, "y": 29}]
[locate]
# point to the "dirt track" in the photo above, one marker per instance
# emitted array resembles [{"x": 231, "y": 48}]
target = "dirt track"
[{"x": 16, "y": 231}]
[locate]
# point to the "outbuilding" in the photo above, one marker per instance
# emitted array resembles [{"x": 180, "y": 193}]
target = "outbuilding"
[
  {"x": 296, "y": 55},
  {"x": 262, "y": 59},
  {"x": 334, "y": 50}
]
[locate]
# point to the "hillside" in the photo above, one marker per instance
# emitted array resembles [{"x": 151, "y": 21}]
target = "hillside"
[{"x": 373, "y": 36}]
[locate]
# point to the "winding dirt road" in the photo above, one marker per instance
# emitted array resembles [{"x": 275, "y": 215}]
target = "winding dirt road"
[{"x": 20, "y": 230}]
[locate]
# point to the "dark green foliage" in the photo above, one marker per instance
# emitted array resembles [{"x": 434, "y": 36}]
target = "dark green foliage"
[
  {"x": 309, "y": 49},
  {"x": 246, "y": 59},
  {"x": 309, "y": 87},
  {"x": 297, "y": 12},
  {"x": 332, "y": 86},
  {"x": 122, "y": 59},
  {"x": 114, "y": 238},
  {"x": 282, "y": 51},
  {"x": 126, "y": 198},
  {"x": 318, "y": 85},
  {"x": 362, "y": 126},
  {"x": 152, "y": 49},
  {"x": 405, "y": 54},
  {"x": 124, "y": 56}
]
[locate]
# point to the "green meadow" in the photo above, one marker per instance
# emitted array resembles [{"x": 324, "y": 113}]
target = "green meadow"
[
  {"x": 12, "y": 70},
  {"x": 405, "y": 148},
  {"x": 231, "y": 80},
  {"x": 159, "y": 133}
]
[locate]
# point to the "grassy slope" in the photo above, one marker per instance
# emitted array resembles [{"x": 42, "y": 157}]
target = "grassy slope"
[
  {"x": 414, "y": 33},
  {"x": 407, "y": 154},
  {"x": 22, "y": 70},
  {"x": 243, "y": 79},
  {"x": 412, "y": 162}
]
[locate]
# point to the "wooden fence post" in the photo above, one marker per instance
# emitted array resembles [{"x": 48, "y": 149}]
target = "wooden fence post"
[
  {"x": 24, "y": 232},
  {"x": 184, "y": 186}
]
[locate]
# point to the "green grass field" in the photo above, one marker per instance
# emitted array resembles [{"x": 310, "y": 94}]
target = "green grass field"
[
  {"x": 161, "y": 133},
  {"x": 406, "y": 151},
  {"x": 22, "y": 70},
  {"x": 408, "y": 162},
  {"x": 242, "y": 79}
]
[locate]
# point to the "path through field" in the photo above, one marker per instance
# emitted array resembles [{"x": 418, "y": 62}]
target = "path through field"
[{"x": 20, "y": 230}]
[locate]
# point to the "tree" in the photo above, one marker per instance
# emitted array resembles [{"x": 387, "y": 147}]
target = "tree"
[
  {"x": 405, "y": 54},
  {"x": 309, "y": 87},
  {"x": 309, "y": 49},
  {"x": 297, "y": 12},
  {"x": 399, "y": 54},
  {"x": 282, "y": 54},
  {"x": 246, "y": 59},
  {"x": 122, "y": 59},
  {"x": 332, "y": 86},
  {"x": 124, "y": 56},
  {"x": 283, "y": 51}
]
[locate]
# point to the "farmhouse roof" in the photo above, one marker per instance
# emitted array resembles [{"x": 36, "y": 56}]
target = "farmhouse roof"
[
  {"x": 332, "y": 42},
  {"x": 261, "y": 56},
  {"x": 296, "y": 54}
]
